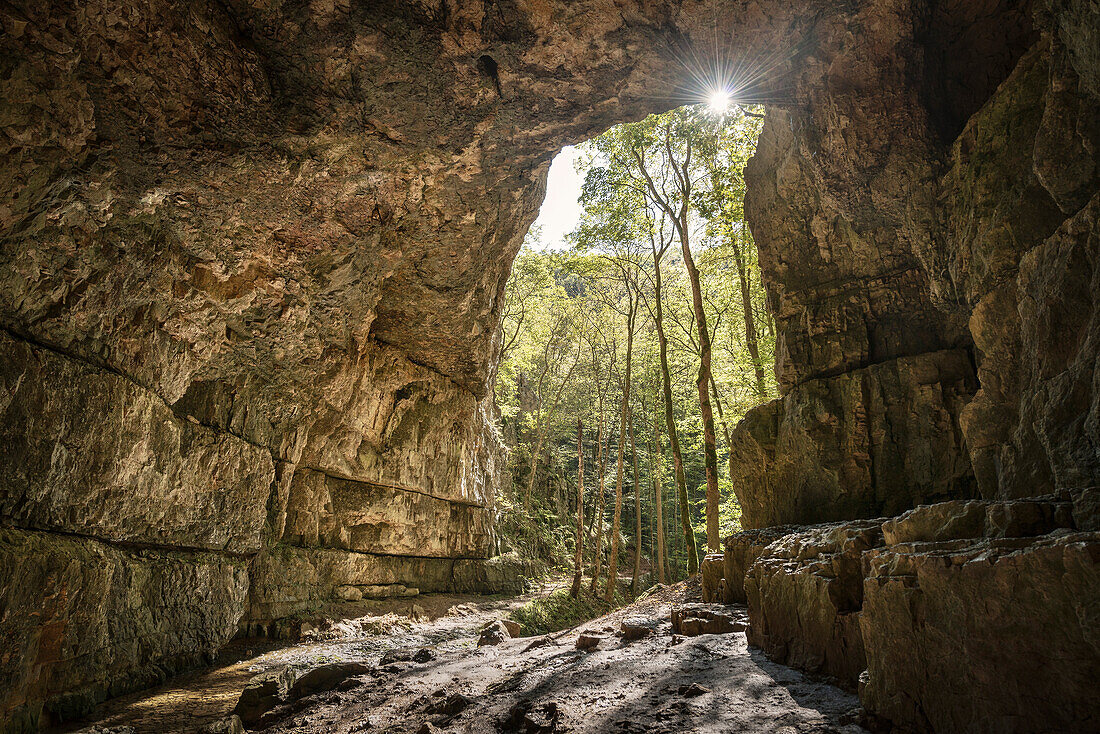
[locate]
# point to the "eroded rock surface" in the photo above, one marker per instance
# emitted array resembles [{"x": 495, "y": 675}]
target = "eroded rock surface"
[
  {"x": 1007, "y": 630},
  {"x": 740, "y": 551},
  {"x": 805, "y": 592},
  {"x": 251, "y": 269},
  {"x": 928, "y": 612},
  {"x": 107, "y": 620}
]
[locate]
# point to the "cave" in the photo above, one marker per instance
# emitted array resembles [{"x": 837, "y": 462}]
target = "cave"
[{"x": 252, "y": 259}]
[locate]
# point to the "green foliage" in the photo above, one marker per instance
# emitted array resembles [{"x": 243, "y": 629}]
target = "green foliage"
[
  {"x": 534, "y": 533},
  {"x": 567, "y": 310},
  {"x": 729, "y": 512},
  {"x": 558, "y": 611}
]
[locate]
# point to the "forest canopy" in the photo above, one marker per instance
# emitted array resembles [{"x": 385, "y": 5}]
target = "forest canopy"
[{"x": 631, "y": 353}]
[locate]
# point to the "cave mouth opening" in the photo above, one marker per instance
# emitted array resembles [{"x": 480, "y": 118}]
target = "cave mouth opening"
[{"x": 617, "y": 208}]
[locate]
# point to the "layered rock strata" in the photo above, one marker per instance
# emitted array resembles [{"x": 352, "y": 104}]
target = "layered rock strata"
[
  {"x": 252, "y": 258},
  {"x": 960, "y": 616},
  {"x": 805, "y": 592},
  {"x": 106, "y": 620},
  {"x": 938, "y": 343},
  {"x": 1007, "y": 630},
  {"x": 960, "y": 236}
]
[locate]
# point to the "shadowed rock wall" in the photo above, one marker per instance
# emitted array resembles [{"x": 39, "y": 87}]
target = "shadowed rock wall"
[{"x": 930, "y": 258}]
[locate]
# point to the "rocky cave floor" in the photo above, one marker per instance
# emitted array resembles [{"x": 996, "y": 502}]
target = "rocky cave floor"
[{"x": 386, "y": 673}]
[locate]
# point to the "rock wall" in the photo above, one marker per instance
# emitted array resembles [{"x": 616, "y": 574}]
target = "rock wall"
[
  {"x": 943, "y": 241},
  {"x": 961, "y": 616},
  {"x": 251, "y": 267},
  {"x": 252, "y": 255},
  {"x": 84, "y": 620},
  {"x": 928, "y": 235}
]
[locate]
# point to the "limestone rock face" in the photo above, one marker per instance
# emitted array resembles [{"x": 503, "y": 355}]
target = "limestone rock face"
[
  {"x": 740, "y": 551},
  {"x": 324, "y": 511},
  {"x": 959, "y": 222},
  {"x": 90, "y": 452},
  {"x": 954, "y": 610},
  {"x": 979, "y": 519},
  {"x": 1029, "y": 662},
  {"x": 107, "y": 621},
  {"x": 710, "y": 571},
  {"x": 1022, "y": 223},
  {"x": 805, "y": 592},
  {"x": 879, "y": 439},
  {"x": 252, "y": 257}
]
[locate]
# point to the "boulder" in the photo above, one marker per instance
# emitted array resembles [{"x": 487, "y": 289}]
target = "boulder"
[
  {"x": 740, "y": 551},
  {"x": 263, "y": 693},
  {"x": 493, "y": 633},
  {"x": 588, "y": 641},
  {"x": 637, "y": 628},
  {"x": 348, "y": 593},
  {"x": 452, "y": 705},
  {"x": 711, "y": 572},
  {"x": 691, "y": 620},
  {"x": 324, "y": 678},
  {"x": 691, "y": 690},
  {"x": 229, "y": 725}
]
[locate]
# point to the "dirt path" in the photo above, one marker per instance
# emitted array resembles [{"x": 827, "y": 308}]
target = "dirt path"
[
  {"x": 188, "y": 702},
  {"x": 640, "y": 686}
]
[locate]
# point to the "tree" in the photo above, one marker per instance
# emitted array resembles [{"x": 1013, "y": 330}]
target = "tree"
[
  {"x": 637, "y": 512},
  {"x": 541, "y": 427},
  {"x": 647, "y": 173},
  {"x": 658, "y": 491},
  {"x": 578, "y": 556},
  {"x": 676, "y": 136},
  {"x": 723, "y": 205},
  {"x": 662, "y": 234}
]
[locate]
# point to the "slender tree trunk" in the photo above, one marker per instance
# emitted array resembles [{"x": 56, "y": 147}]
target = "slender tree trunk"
[
  {"x": 657, "y": 500},
  {"x": 598, "y": 561},
  {"x": 613, "y": 560},
  {"x": 752, "y": 339},
  {"x": 670, "y": 426},
  {"x": 725, "y": 426},
  {"x": 592, "y": 515},
  {"x": 637, "y": 515},
  {"x": 702, "y": 382},
  {"x": 534, "y": 466},
  {"x": 536, "y": 438},
  {"x": 679, "y": 214},
  {"x": 578, "y": 555}
]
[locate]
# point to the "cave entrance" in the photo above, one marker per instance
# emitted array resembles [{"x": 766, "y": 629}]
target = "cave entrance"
[{"x": 633, "y": 222}]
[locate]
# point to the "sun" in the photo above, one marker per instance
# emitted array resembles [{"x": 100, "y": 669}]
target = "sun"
[{"x": 719, "y": 101}]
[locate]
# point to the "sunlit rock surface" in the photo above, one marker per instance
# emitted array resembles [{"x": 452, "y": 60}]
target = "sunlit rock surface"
[
  {"x": 251, "y": 269},
  {"x": 1005, "y": 623},
  {"x": 876, "y": 440},
  {"x": 84, "y": 620}
]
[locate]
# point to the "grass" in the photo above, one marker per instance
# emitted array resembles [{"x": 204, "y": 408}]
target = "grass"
[{"x": 558, "y": 611}]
